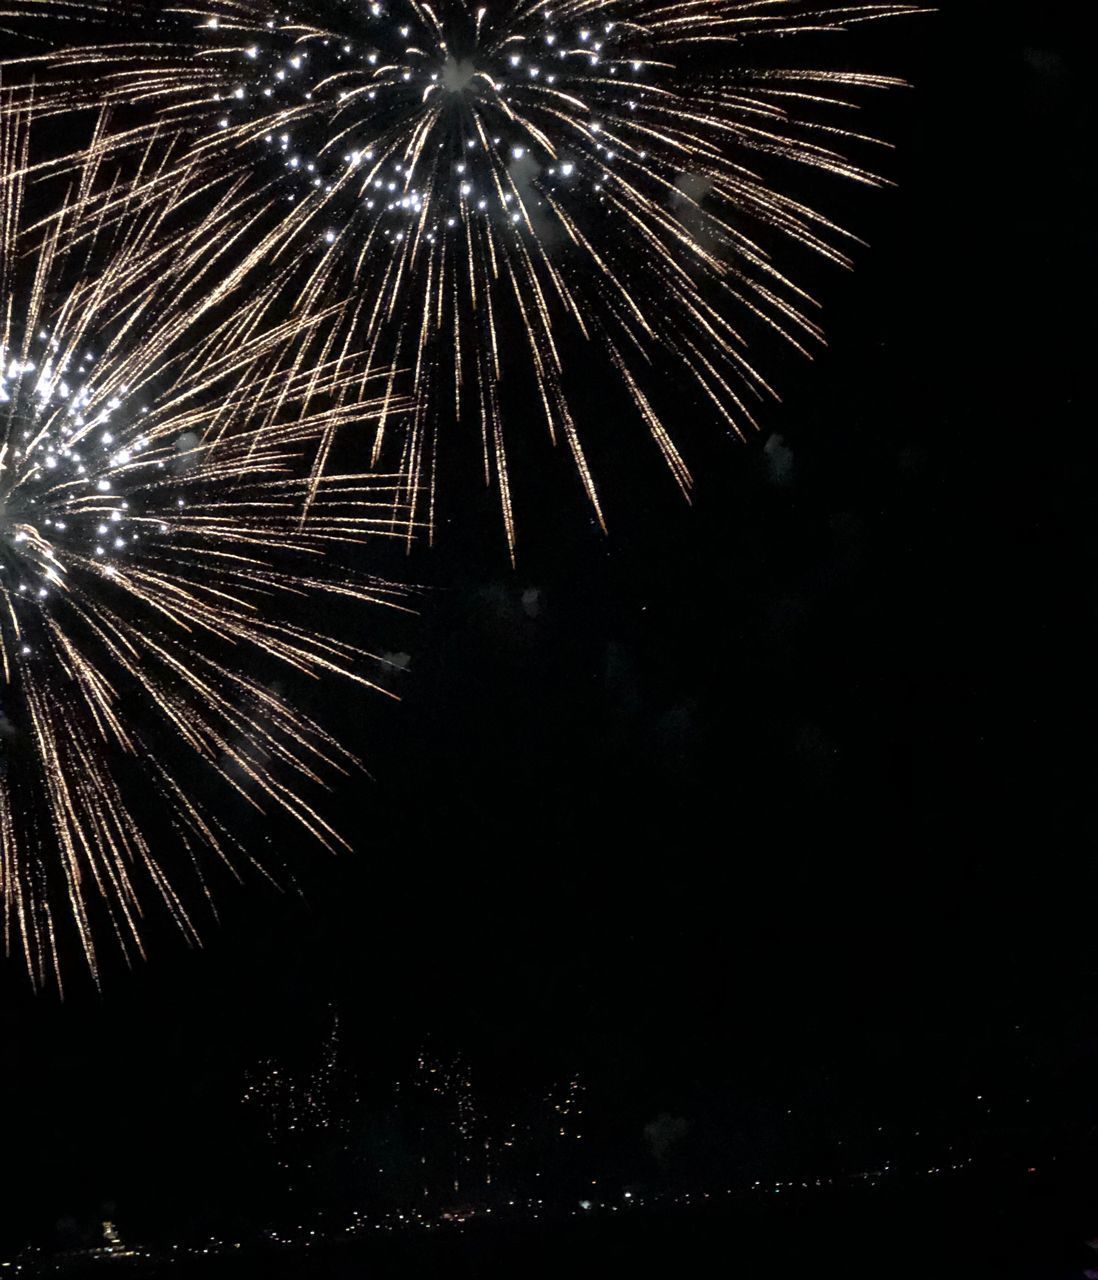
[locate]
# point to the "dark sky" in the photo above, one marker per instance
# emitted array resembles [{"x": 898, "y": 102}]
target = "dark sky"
[{"x": 779, "y": 800}]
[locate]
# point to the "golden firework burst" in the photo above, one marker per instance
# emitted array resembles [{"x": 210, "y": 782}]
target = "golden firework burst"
[
  {"x": 508, "y": 192},
  {"x": 155, "y": 569}
]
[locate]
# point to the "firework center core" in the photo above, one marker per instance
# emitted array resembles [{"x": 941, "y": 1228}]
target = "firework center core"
[{"x": 457, "y": 73}]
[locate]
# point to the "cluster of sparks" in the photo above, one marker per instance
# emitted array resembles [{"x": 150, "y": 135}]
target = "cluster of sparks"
[
  {"x": 445, "y": 1096},
  {"x": 528, "y": 184},
  {"x": 452, "y": 1145},
  {"x": 155, "y": 570},
  {"x": 292, "y": 1105}
]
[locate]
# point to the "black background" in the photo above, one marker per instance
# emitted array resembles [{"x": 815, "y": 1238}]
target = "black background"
[{"x": 773, "y": 812}]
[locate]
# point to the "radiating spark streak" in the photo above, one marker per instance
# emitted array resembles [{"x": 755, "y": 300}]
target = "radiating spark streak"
[
  {"x": 154, "y": 563},
  {"x": 603, "y": 176}
]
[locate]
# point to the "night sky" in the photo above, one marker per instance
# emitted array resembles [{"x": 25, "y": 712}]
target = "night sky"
[{"x": 773, "y": 813}]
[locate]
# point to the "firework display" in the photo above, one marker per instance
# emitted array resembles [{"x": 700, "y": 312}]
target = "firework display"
[
  {"x": 510, "y": 193},
  {"x": 576, "y": 220},
  {"x": 156, "y": 569}
]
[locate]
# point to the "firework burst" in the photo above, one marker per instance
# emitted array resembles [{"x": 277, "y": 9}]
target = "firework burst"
[
  {"x": 155, "y": 571},
  {"x": 538, "y": 182}
]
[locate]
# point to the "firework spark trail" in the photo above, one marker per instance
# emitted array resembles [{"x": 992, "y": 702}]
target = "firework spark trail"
[
  {"x": 506, "y": 178},
  {"x": 155, "y": 567}
]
